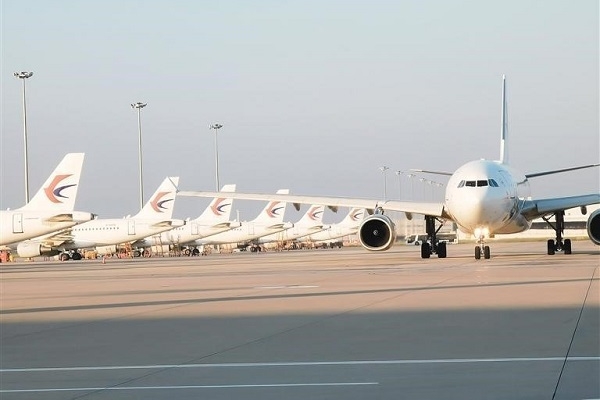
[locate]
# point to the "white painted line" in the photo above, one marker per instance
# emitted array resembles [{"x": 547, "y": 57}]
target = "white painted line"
[
  {"x": 265, "y": 385},
  {"x": 303, "y": 364}
]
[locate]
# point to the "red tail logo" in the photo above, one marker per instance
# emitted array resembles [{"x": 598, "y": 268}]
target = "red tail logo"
[{"x": 53, "y": 190}]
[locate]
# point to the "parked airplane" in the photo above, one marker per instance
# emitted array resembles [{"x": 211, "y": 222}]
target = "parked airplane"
[
  {"x": 214, "y": 219},
  {"x": 52, "y": 207},
  {"x": 483, "y": 198},
  {"x": 310, "y": 223},
  {"x": 105, "y": 234},
  {"x": 269, "y": 221},
  {"x": 348, "y": 226}
]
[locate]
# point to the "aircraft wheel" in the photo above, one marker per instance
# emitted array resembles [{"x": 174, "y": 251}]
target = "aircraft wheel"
[
  {"x": 551, "y": 248},
  {"x": 477, "y": 252},
  {"x": 486, "y": 252},
  {"x": 76, "y": 256},
  {"x": 64, "y": 257},
  {"x": 195, "y": 252},
  {"x": 441, "y": 252},
  {"x": 425, "y": 250},
  {"x": 567, "y": 246},
  {"x": 137, "y": 253}
]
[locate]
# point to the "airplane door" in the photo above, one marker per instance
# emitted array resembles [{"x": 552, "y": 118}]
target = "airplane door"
[
  {"x": 131, "y": 227},
  {"x": 251, "y": 228},
  {"x": 17, "y": 223},
  {"x": 194, "y": 229}
]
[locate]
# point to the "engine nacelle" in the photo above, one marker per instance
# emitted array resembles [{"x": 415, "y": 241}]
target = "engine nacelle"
[
  {"x": 593, "y": 227},
  {"x": 106, "y": 250},
  {"x": 33, "y": 249},
  {"x": 377, "y": 232}
]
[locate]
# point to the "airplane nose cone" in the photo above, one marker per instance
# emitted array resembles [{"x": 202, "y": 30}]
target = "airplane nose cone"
[{"x": 482, "y": 207}]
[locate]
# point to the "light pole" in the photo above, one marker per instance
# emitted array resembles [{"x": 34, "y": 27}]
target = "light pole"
[
  {"x": 384, "y": 169},
  {"x": 23, "y": 75},
  {"x": 139, "y": 105},
  {"x": 412, "y": 185},
  {"x": 216, "y": 127},
  {"x": 399, "y": 174}
]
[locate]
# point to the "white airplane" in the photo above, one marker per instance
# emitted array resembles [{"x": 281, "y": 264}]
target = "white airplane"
[
  {"x": 52, "y": 207},
  {"x": 269, "y": 221},
  {"x": 214, "y": 219},
  {"x": 483, "y": 198},
  {"x": 310, "y": 223},
  {"x": 105, "y": 234},
  {"x": 348, "y": 226}
]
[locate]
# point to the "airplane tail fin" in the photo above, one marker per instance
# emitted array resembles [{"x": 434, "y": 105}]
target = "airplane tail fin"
[
  {"x": 219, "y": 209},
  {"x": 60, "y": 189},
  {"x": 273, "y": 212},
  {"x": 354, "y": 217},
  {"x": 312, "y": 217},
  {"x": 161, "y": 204},
  {"x": 504, "y": 127}
]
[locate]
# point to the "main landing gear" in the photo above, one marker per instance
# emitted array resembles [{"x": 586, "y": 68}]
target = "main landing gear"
[
  {"x": 433, "y": 245},
  {"x": 559, "y": 228}
]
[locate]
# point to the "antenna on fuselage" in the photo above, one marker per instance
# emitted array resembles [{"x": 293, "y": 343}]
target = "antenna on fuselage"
[{"x": 504, "y": 127}]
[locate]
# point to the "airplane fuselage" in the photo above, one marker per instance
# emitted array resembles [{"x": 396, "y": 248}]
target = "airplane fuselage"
[
  {"x": 187, "y": 234},
  {"x": 19, "y": 225},
  {"x": 247, "y": 232},
  {"x": 485, "y": 198},
  {"x": 105, "y": 232}
]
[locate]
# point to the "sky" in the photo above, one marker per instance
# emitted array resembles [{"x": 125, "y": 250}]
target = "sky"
[{"x": 314, "y": 96}]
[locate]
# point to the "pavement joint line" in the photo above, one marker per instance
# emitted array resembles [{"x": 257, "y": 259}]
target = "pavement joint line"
[
  {"x": 244, "y": 386},
  {"x": 303, "y": 364}
]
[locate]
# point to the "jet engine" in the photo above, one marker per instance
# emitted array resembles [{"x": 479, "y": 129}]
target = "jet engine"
[
  {"x": 106, "y": 250},
  {"x": 377, "y": 232},
  {"x": 593, "y": 227},
  {"x": 33, "y": 249}
]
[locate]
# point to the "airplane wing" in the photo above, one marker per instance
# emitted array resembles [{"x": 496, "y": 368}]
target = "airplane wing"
[
  {"x": 432, "y": 209},
  {"x": 556, "y": 171},
  {"x": 538, "y": 208},
  {"x": 55, "y": 239}
]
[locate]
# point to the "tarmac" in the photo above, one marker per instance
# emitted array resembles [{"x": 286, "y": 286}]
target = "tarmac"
[{"x": 305, "y": 324}]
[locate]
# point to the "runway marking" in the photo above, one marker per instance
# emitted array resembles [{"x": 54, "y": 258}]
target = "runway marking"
[
  {"x": 265, "y": 385},
  {"x": 303, "y": 364}
]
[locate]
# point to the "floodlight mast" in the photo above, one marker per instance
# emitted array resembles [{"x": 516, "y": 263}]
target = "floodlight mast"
[
  {"x": 139, "y": 105},
  {"x": 24, "y": 75},
  {"x": 216, "y": 127}
]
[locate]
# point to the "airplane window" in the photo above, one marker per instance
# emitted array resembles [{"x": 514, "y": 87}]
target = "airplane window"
[
  {"x": 470, "y": 183},
  {"x": 493, "y": 183},
  {"x": 461, "y": 184},
  {"x": 482, "y": 183}
]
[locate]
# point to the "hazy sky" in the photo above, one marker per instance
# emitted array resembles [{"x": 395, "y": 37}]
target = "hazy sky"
[{"x": 313, "y": 96}]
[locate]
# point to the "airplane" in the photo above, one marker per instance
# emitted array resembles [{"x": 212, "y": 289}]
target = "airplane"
[
  {"x": 346, "y": 227},
  {"x": 483, "y": 197},
  {"x": 214, "y": 219},
  {"x": 52, "y": 207},
  {"x": 310, "y": 223},
  {"x": 105, "y": 235},
  {"x": 269, "y": 221}
]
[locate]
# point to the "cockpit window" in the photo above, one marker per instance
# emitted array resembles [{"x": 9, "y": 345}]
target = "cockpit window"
[
  {"x": 482, "y": 183},
  {"x": 493, "y": 183},
  {"x": 471, "y": 183},
  {"x": 461, "y": 184}
]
